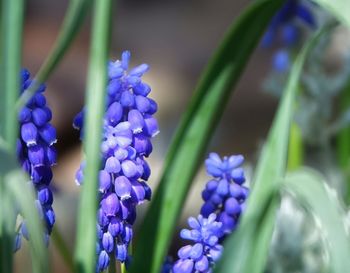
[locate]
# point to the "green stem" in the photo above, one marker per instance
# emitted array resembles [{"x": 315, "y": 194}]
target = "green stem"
[
  {"x": 295, "y": 149},
  {"x": 85, "y": 256},
  {"x": 72, "y": 23},
  {"x": 343, "y": 142},
  {"x": 112, "y": 265},
  {"x": 62, "y": 248},
  {"x": 12, "y": 53}
]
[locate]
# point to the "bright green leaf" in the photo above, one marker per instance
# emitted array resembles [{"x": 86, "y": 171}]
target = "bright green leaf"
[
  {"x": 339, "y": 8},
  {"x": 85, "y": 252},
  {"x": 311, "y": 191}
]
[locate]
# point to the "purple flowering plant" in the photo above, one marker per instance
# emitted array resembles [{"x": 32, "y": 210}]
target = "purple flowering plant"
[{"x": 231, "y": 233}]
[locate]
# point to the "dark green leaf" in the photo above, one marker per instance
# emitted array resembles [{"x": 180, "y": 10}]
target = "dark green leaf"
[
  {"x": 311, "y": 191},
  {"x": 195, "y": 131},
  {"x": 270, "y": 171},
  {"x": 85, "y": 253}
]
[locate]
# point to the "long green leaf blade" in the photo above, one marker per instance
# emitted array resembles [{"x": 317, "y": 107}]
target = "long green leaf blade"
[
  {"x": 11, "y": 53},
  {"x": 85, "y": 255},
  {"x": 17, "y": 182},
  {"x": 339, "y": 8},
  {"x": 17, "y": 193},
  {"x": 195, "y": 131},
  {"x": 270, "y": 171},
  {"x": 72, "y": 23},
  {"x": 310, "y": 190}
]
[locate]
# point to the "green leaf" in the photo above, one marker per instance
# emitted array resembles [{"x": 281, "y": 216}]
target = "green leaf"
[
  {"x": 62, "y": 248},
  {"x": 17, "y": 183},
  {"x": 72, "y": 23},
  {"x": 269, "y": 173},
  {"x": 311, "y": 191},
  {"x": 339, "y": 8},
  {"x": 15, "y": 192},
  {"x": 195, "y": 131},
  {"x": 85, "y": 252},
  {"x": 12, "y": 25}
]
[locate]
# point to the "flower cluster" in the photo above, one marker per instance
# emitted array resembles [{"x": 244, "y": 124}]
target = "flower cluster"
[
  {"x": 36, "y": 153},
  {"x": 128, "y": 128},
  {"x": 286, "y": 24},
  {"x": 224, "y": 198},
  {"x": 224, "y": 195}
]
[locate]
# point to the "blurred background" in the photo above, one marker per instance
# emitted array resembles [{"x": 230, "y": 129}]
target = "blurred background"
[{"x": 176, "y": 38}]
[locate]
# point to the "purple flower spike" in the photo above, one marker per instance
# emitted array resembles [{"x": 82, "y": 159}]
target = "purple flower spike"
[
  {"x": 37, "y": 154},
  {"x": 128, "y": 128},
  {"x": 224, "y": 200}
]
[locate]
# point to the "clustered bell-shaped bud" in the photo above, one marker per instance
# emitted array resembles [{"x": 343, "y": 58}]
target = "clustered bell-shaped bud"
[
  {"x": 224, "y": 195},
  {"x": 128, "y": 128},
  {"x": 224, "y": 198},
  {"x": 36, "y": 153}
]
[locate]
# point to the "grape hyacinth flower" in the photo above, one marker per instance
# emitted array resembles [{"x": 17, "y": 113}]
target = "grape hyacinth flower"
[
  {"x": 129, "y": 125},
  {"x": 36, "y": 153},
  {"x": 224, "y": 198}
]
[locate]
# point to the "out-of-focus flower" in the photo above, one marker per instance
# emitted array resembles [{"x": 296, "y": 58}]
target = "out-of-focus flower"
[
  {"x": 36, "y": 153},
  {"x": 286, "y": 23},
  {"x": 129, "y": 125}
]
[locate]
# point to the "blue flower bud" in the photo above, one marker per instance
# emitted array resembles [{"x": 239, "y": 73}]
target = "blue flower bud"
[
  {"x": 25, "y": 115},
  {"x": 121, "y": 252},
  {"x": 36, "y": 155},
  {"x": 110, "y": 204},
  {"x": 114, "y": 113},
  {"x": 48, "y": 134},
  {"x": 40, "y": 116},
  {"x": 104, "y": 181},
  {"x": 29, "y": 134},
  {"x": 107, "y": 242},
  {"x": 45, "y": 196},
  {"x": 103, "y": 261},
  {"x": 122, "y": 187},
  {"x": 114, "y": 227},
  {"x": 112, "y": 165}
]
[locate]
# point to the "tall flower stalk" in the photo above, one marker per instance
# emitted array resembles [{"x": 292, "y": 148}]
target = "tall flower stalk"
[{"x": 128, "y": 127}]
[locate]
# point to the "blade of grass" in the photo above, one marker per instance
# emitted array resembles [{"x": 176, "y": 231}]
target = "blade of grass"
[
  {"x": 196, "y": 128},
  {"x": 85, "y": 255},
  {"x": 62, "y": 248},
  {"x": 269, "y": 173},
  {"x": 310, "y": 190},
  {"x": 343, "y": 142},
  {"x": 73, "y": 20},
  {"x": 17, "y": 181},
  {"x": 11, "y": 54},
  {"x": 20, "y": 195}
]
